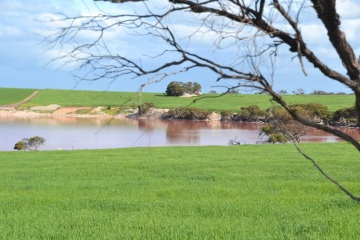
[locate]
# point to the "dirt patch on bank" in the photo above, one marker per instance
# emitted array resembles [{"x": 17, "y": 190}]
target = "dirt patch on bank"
[{"x": 68, "y": 110}]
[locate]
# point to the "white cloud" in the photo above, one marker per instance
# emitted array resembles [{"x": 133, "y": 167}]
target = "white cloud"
[
  {"x": 313, "y": 33},
  {"x": 9, "y": 31},
  {"x": 11, "y": 7},
  {"x": 351, "y": 28},
  {"x": 19, "y": 44},
  {"x": 348, "y": 8}
]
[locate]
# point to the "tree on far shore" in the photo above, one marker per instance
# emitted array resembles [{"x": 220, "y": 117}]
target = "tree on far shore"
[{"x": 179, "y": 88}]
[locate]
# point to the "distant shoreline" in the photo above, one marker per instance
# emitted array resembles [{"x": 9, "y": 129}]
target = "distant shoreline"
[
  {"x": 68, "y": 112},
  {"x": 56, "y": 111}
]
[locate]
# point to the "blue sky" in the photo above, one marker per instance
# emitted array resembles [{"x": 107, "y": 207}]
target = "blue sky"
[{"x": 23, "y": 59}]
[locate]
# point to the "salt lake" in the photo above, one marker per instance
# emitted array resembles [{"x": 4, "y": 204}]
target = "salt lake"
[{"x": 80, "y": 133}]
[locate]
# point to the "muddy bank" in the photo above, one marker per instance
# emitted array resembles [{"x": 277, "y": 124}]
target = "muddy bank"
[{"x": 57, "y": 111}]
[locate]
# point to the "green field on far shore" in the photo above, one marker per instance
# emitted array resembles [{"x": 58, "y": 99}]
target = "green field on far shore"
[
  {"x": 240, "y": 192},
  {"x": 232, "y": 102},
  {"x": 14, "y": 95}
]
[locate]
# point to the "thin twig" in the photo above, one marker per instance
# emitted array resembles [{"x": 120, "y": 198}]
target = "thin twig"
[{"x": 324, "y": 173}]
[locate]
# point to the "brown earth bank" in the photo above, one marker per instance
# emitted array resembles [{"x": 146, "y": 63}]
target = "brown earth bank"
[
  {"x": 55, "y": 111},
  {"x": 58, "y": 112}
]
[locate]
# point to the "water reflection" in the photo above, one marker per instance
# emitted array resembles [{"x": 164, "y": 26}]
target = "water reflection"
[
  {"x": 316, "y": 135},
  {"x": 182, "y": 131},
  {"x": 78, "y": 133}
]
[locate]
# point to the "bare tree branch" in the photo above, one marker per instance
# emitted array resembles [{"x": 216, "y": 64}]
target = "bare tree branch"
[
  {"x": 251, "y": 27},
  {"x": 326, "y": 11},
  {"x": 353, "y": 197}
]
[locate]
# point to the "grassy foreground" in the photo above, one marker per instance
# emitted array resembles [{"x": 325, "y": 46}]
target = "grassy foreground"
[
  {"x": 231, "y": 102},
  {"x": 244, "y": 192}
]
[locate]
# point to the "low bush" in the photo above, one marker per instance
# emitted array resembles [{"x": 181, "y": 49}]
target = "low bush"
[
  {"x": 226, "y": 115},
  {"x": 20, "y": 145},
  {"x": 282, "y": 128},
  {"x": 110, "y": 111},
  {"x": 84, "y": 111},
  {"x": 27, "y": 105},
  {"x": 32, "y": 143},
  {"x": 345, "y": 116},
  {"x": 316, "y": 111},
  {"x": 272, "y": 134},
  {"x": 277, "y": 138},
  {"x": 188, "y": 113},
  {"x": 145, "y": 107},
  {"x": 252, "y": 113}
]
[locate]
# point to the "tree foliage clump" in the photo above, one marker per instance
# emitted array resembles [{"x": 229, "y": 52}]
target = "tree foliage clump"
[
  {"x": 20, "y": 145},
  {"x": 179, "y": 88},
  {"x": 274, "y": 136},
  {"x": 345, "y": 116},
  {"x": 226, "y": 115},
  {"x": 318, "y": 113},
  {"x": 252, "y": 113},
  {"x": 30, "y": 144},
  {"x": 282, "y": 127},
  {"x": 188, "y": 113},
  {"x": 175, "y": 89},
  {"x": 145, "y": 107}
]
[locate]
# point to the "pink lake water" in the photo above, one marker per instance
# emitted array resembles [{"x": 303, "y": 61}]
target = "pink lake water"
[{"x": 76, "y": 133}]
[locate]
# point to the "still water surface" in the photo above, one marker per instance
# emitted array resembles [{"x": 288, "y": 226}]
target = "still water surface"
[{"x": 72, "y": 133}]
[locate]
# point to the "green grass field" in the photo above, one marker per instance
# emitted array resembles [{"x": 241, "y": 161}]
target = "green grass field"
[
  {"x": 231, "y": 102},
  {"x": 243, "y": 192},
  {"x": 14, "y": 95}
]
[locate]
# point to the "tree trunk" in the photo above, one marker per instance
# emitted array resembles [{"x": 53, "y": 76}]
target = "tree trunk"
[{"x": 357, "y": 106}]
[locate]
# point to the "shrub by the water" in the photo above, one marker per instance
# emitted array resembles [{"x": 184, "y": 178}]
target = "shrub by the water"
[
  {"x": 316, "y": 111},
  {"x": 32, "y": 143},
  {"x": 252, "y": 113},
  {"x": 282, "y": 128},
  {"x": 20, "y": 145},
  {"x": 277, "y": 138},
  {"x": 145, "y": 107},
  {"x": 188, "y": 113},
  {"x": 226, "y": 115},
  {"x": 345, "y": 116}
]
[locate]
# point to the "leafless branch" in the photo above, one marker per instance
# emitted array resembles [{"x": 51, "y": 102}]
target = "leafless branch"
[
  {"x": 342, "y": 188},
  {"x": 249, "y": 27}
]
